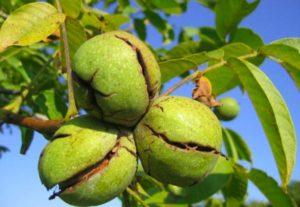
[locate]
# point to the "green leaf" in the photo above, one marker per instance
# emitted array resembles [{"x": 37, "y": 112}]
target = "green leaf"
[
  {"x": 90, "y": 21},
  {"x": 18, "y": 66},
  {"x": 27, "y": 137},
  {"x": 229, "y": 13},
  {"x": 236, "y": 188},
  {"x": 223, "y": 78},
  {"x": 160, "y": 24},
  {"x": 122, "y": 4},
  {"x": 10, "y": 52},
  {"x": 114, "y": 21},
  {"x": 235, "y": 146},
  {"x": 273, "y": 114},
  {"x": 50, "y": 104},
  {"x": 71, "y": 8},
  {"x": 140, "y": 28},
  {"x": 187, "y": 34},
  {"x": 75, "y": 35},
  {"x": 269, "y": 187},
  {"x": 168, "y": 6},
  {"x": 210, "y": 38},
  {"x": 229, "y": 145},
  {"x": 29, "y": 24},
  {"x": 250, "y": 38},
  {"x": 174, "y": 67},
  {"x": 196, "y": 193},
  {"x": 290, "y": 41},
  {"x": 287, "y": 52},
  {"x": 183, "y": 49},
  {"x": 208, "y": 3}
]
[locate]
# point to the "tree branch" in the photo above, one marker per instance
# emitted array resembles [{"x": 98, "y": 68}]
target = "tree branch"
[
  {"x": 9, "y": 92},
  {"x": 47, "y": 127},
  {"x": 194, "y": 75}
]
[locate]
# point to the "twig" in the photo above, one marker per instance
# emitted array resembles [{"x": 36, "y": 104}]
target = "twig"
[
  {"x": 72, "y": 110},
  {"x": 194, "y": 75},
  {"x": 136, "y": 197},
  {"x": 43, "y": 126},
  {"x": 3, "y": 15},
  {"x": 9, "y": 92}
]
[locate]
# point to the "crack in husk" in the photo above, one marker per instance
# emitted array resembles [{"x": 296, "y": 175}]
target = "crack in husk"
[
  {"x": 151, "y": 92},
  {"x": 185, "y": 146},
  {"x": 69, "y": 184}
]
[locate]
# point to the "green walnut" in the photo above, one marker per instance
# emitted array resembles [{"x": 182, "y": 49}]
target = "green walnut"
[
  {"x": 178, "y": 140},
  {"x": 116, "y": 77},
  {"x": 91, "y": 162},
  {"x": 228, "y": 110}
]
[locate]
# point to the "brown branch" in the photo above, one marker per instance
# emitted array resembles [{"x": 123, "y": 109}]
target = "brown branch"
[
  {"x": 47, "y": 127},
  {"x": 9, "y": 92}
]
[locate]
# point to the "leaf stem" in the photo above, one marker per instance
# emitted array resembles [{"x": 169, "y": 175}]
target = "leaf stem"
[
  {"x": 72, "y": 110},
  {"x": 194, "y": 75},
  {"x": 136, "y": 197}
]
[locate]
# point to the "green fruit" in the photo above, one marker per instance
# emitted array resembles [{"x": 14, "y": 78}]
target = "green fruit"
[
  {"x": 90, "y": 161},
  {"x": 228, "y": 110},
  {"x": 116, "y": 77},
  {"x": 178, "y": 140}
]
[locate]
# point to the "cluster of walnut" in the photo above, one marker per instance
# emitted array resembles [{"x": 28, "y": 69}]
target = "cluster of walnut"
[{"x": 93, "y": 158}]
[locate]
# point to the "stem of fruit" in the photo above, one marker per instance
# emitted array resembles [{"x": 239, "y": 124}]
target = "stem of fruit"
[
  {"x": 136, "y": 197},
  {"x": 72, "y": 110},
  {"x": 194, "y": 75}
]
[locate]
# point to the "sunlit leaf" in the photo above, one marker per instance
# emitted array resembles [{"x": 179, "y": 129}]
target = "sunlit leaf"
[
  {"x": 183, "y": 49},
  {"x": 168, "y": 6},
  {"x": 174, "y": 67},
  {"x": 229, "y": 13},
  {"x": 251, "y": 39},
  {"x": 273, "y": 114},
  {"x": 188, "y": 34},
  {"x": 235, "y": 146},
  {"x": 269, "y": 187},
  {"x": 114, "y": 21},
  {"x": 71, "y": 7},
  {"x": 29, "y": 24},
  {"x": 287, "y": 52},
  {"x": 223, "y": 78}
]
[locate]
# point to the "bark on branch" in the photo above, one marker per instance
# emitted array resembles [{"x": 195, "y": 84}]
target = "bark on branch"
[{"x": 47, "y": 127}]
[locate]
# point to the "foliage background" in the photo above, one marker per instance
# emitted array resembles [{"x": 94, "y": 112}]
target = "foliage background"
[{"x": 273, "y": 20}]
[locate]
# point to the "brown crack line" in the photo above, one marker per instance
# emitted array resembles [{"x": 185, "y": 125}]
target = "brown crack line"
[
  {"x": 142, "y": 63},
  {"x": 70, "y": 184},
  {"x": 184, "y": 146}
]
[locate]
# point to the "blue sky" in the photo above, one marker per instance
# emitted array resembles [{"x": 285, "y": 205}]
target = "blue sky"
[{"x": 20, "y": 184}]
